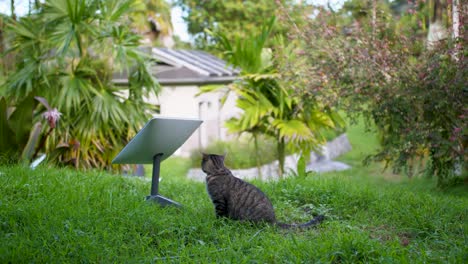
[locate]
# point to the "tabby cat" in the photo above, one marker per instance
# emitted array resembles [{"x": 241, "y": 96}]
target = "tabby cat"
[{"x": 239, "y": 200}]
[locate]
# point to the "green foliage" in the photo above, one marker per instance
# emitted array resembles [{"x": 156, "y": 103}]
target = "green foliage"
[
  {"x": 20, "y": 135},
  {"x": 240, "y": 154},
  {"x": 270, "y": 107},
  {"x": 21, "y": 118},
  {"x": 147, "y": 12},
  {"x": 233, "y": 18},
  {"x": 62, "y": 215},
  {"x": 6, "y": 142},
  {"x": 371, "y": 66},
  {"x": 426, "y": 118},
  {"x": 67, "y": 52}
]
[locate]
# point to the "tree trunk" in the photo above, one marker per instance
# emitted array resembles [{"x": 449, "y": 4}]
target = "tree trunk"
[
  {"x": 456, "y": 18},
  {"x": 458, "y": 32},
  {"x": 437, "y": 30},
  {"x": 12, "y": 8},
  {"x": 257, "y": 156},
  {"x": 2, "y": 48},
  {"x": 281, "y": 145},
  {"x": 374, "y": 18}
]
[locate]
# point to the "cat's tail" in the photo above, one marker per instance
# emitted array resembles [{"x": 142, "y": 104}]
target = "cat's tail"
[{"x": 317, "y": 220}]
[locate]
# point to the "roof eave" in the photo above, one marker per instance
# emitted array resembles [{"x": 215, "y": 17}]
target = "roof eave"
[
  {"x": 187, "y": 81},
  {"x": 198, "y": 81}
]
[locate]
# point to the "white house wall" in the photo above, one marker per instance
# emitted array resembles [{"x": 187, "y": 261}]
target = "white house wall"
[
  {"x": 181, "y": 101},
  {"x": 228, "y": 111}
]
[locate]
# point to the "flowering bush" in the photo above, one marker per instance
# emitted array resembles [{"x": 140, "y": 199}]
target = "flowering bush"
[
  {"x": 416, "y": 98},
  {"x": 52, "y": 116}
]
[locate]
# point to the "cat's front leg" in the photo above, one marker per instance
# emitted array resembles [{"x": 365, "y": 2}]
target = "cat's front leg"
[{"x": 220, "y": 208}]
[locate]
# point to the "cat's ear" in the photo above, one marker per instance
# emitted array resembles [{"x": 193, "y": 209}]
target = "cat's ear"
[{"x": 224, "y": 155}]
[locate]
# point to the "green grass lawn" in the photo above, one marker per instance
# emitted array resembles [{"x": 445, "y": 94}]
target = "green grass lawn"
[{"x": 61, "y": 215}]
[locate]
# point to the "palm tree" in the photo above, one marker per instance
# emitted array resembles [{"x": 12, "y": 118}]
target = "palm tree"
[
  {"x": 68, "y": 52},
  {"x": 270, "y": 108}
]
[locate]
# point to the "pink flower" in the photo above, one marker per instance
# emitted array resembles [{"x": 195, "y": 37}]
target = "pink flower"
[{"x": 52, "y": 117}]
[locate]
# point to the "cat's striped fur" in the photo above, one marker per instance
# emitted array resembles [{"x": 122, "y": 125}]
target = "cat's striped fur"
[{"x": 239, "y": 200}]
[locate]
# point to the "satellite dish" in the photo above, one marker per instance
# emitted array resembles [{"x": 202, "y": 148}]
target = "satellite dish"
[{"x": 157, "y": 141}]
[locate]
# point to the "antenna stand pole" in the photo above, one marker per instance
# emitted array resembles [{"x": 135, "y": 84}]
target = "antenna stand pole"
[
  {"x": 155, "y": 197},
  {"x": 156, "y": 170}
]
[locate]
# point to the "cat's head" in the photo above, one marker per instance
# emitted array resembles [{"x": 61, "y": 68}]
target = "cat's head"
[{"x": 212, "y": 162}]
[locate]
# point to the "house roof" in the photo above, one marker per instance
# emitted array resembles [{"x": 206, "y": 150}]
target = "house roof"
[{"x": 185, "y": 67}]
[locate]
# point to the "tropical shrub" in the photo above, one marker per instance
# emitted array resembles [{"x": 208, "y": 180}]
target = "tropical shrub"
[{"x": 67, "y": 52}]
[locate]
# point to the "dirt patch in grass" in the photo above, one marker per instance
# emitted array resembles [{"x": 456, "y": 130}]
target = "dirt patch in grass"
[{"x": 385, "y": 233}]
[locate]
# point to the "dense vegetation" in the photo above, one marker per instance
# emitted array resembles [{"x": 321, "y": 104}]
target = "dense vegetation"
[
  {"x": 270, "y": 107},
  {"x": 69, "y": 53},
  {"x": 230, "y": 17},
  {"x": 370, "y": 58},
  {"x": 378, "y": 59},
  {"x": 61, "y": 215},
  {"x": 373, "y": 59}
]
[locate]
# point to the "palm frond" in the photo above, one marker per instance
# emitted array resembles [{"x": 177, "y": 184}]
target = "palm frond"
[
  {"x": 247, "y": 54},
  {"x": 293, "y": 130},
  {"x": 114, "y": 10}
]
